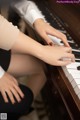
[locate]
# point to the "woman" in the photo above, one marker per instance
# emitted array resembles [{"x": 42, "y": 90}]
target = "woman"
[{"x": 21, "y": 59}]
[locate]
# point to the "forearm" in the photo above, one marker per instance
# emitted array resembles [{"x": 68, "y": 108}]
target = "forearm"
[{"x": 27, "y": 45}]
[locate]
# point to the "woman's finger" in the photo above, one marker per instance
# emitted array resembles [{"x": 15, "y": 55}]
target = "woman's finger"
[
  {"x": 47, "y": 39},
  {"x": 59, "y": 35},
  {"x": 4, "y": 96},
  {"x": 63, "y": 63},
  {"x": 15, "y": 94},
  {"x": 18, "y": 90},
  {"x": 69, "y": 55},
  {"x": 10, "y": 95},
  {"x": 68, "y": 49}
]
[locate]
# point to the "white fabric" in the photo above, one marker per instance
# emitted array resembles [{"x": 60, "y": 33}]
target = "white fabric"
[
  {"x": 2, "y": 72},
  {"x": 28, "y": 11}
]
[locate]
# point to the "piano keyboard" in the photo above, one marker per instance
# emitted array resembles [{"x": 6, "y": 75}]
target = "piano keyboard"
[{"x": 72, "y": 71}]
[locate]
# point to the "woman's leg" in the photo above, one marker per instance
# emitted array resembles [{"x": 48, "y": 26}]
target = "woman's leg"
[{"x": 22, "y": 65}]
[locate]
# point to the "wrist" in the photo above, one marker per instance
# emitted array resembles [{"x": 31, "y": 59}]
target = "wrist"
[
  {"x": 2, "y": 72},
  {"x": 38, "y": 21},
  {"x": 37, "y": 51},
  {"x": 40, "y": 52}
]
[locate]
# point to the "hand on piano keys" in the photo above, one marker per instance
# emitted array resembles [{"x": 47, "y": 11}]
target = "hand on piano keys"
[
  {"x": 54, "y": 55},
  {"x": 44, "y": 28},
  {"x": 72, "y": 71}
]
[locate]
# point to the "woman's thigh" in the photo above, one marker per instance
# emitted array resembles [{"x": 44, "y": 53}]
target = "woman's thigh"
[{"x": 22, "y": 65}]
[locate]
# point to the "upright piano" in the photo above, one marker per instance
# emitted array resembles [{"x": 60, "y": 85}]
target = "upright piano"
[{"x": 62, "y": 90}]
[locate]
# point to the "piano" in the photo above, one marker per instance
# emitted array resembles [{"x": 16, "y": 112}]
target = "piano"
[
  {"x": 63, "y": 82},
  {"x": 62, "y": 90}
]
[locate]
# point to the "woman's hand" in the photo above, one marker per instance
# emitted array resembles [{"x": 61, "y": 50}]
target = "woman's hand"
[
  {"x": 57, "y": 55},
  {"x": 9, "y": 86},
  {"x": 54, "y": 55},
  {"x": 44, "y": 29}
]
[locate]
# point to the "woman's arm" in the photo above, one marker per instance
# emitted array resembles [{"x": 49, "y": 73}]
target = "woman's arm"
[
  {"x": 51, "y": 55},
  {"x": 29, "y": 11}
]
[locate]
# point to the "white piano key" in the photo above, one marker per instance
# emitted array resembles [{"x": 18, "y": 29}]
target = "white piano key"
[
  {"x": 75, "y": 50},
  {"x": 77, "y": 89},
  {"x": 77, "y": 59},
  {"x": 79, "y": 96},
  {"x": 65, "y": 70},
  {"x": 75, "y": 82},
  {"x": 55, "y": 39},
  {"x": 58, "y": 41},
  {"x": 74, "y": 73},
  {"x": 63, "y": 31},
  {"x": 73, "y": 65},
  {"x": 70, "y": 41},
  {"x": 70, "y": 78}
]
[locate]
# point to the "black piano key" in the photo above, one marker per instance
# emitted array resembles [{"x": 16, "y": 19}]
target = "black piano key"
[
  {"x": 78, "y": 68},
  {"x": 76, "y": 53},
  {"x": 77, "y": 60},
  {"x": 73, "y": 45},
  {"x": 77, "y": 56}
]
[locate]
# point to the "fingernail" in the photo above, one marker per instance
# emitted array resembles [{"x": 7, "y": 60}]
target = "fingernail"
[
  {"x": 13, "y": 102},
  {"x": 6, "y": 101},
  {"x": 51, "y": 44},
  {"x": 22, "y": 95},
  {"x": 19, "y": 100}
]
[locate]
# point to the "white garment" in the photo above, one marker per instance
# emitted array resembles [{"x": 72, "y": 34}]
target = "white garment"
[
  {"x": 28, "y": 10},
  {"x": 2, "y": 72}
]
